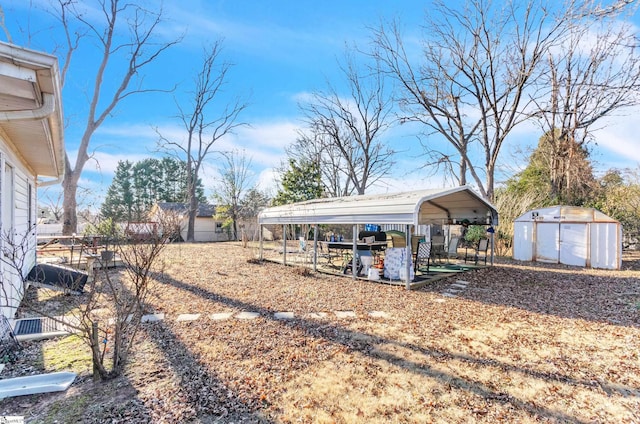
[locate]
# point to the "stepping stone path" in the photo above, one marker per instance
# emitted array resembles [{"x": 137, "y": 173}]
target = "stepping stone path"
[
  {"x": 152, "y": 318},
  {"x": 221, "y": 316},
  {"x": 246, "y": 315},
  {"x": 317, "y": 315},
  {"x": 345, "y": 314},
  {"x": 455, "y": 288},
  {"x": 283, "y": 315},
  {"x": 187, "y": 317}
]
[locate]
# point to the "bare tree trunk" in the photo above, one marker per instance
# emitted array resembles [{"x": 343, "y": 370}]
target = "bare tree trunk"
[
  {"x": 69, "y": 201},
  {"x": 141, "y": 49},
  {"x": 193, "y": 212}
]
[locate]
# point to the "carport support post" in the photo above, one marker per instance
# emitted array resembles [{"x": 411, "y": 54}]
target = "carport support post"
[
  {"x": 261, "y": 242},
  {"x": 284, "y": 244},
  {"x": 493, "y": 245},
  {"x": 315, "y": 247},
  {"x": 407, "y": 266},
  {"x": 354, "y": 269}
]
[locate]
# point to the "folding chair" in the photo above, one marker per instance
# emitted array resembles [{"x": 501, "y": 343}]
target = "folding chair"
[
  {"x": 305, "y": 254},
  {"x": 452, "y": 250},
  {"x": 423, "y": 253},
  {"x": 480, "y": 252},
  {"x": 437, "y": 247}
]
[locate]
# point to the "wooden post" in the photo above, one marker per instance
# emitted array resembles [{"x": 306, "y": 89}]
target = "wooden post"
[{"x": 90, "y": 264}]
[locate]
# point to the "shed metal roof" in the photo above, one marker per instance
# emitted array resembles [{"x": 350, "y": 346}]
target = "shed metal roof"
[
  {"x": 564, "y": 214},
  {"x": 419, "y": 207}
]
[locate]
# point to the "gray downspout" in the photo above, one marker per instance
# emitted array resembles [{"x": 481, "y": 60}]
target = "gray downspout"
[
  {"x": 44, "y": 111},
  {"x": 47, "y": 108}
]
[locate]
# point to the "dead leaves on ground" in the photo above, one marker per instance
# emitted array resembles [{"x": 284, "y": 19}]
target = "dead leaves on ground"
[{"x": 526, "y": 343}]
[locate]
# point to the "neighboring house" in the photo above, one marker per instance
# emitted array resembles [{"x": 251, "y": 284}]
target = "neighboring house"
[
  {"x": 252, "y": 230},
  {"x": 206, "y": 227},
  {"x": 31, "y": 151}
]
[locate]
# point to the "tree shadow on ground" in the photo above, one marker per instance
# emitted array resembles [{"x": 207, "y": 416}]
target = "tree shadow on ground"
[
  {"x": 567, "y": 292},
  {"x": 366, "y": 344},
  {"x": 198, "y": 385}
]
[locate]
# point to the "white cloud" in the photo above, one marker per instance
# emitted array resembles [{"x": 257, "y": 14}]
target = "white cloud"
[
  {"x": 105, "y": 164},
  {"x": 262, "y": 38},
  {"x": 267, "y": 181},
  {"x": 620, "y": 137}
]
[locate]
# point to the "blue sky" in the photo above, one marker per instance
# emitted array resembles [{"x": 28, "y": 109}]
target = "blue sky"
[{"x": 281, "y": 51}]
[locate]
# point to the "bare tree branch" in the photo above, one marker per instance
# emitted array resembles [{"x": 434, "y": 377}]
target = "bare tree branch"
[
  {"x": 140, "y": 51},
  {"x": 350, "y": 127},
  {"x": 477, "y": 63},
  {"x": 204, "y": 123}
]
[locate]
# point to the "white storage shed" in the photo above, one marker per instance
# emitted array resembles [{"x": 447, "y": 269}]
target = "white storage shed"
[{"x": 568, "y": 235}]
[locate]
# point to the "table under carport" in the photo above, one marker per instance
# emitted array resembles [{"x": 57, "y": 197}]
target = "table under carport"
[{"x": 413, "y": 208}]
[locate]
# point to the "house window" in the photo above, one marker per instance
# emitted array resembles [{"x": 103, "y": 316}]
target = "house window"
[{"x": 219, "y": 227}]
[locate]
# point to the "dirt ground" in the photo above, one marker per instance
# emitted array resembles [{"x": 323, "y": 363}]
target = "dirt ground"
[{"x": 521, "y": 343}]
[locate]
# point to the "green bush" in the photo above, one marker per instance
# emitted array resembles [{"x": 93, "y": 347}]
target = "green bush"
[{"x": 474, "y": 234}]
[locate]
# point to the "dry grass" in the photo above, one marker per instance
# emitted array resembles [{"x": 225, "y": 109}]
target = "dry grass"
[{"x": 523, "y": 343}]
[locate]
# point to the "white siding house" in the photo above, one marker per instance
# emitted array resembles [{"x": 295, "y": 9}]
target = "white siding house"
[{"x": 31, "y": 151}]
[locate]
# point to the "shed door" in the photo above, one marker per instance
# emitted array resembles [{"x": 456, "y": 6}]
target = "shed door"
[
  {"x": 547, "y": 242},
  {"x": 605, "y": 245},
  {"x": 523, "y": 241},
  {"x": 573, "y": 244}
]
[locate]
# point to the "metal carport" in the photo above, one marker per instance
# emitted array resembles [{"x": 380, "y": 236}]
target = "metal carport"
[{"x": 412, "y": 208}]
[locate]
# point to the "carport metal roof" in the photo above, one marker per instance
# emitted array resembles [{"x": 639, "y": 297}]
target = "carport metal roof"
[{"x": 450, "y": 206}]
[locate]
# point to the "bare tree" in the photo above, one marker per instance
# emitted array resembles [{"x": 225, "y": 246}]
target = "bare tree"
[
  {"x": 478, "y": 63},
  {"x": 52, "y": 200},
  {"x": 138, "y": 51},
  {"x": 233, "y": 185},
  {"x": 121, "y": 298},
  {"x": 349, "y": 129},
  {"x": 107, "y": 316},
  {"x": 204, "y": 125},
  {"x": 17, "y": 253},
  {"x": 315, "y": 146},
  {"x": 592, "y": 74}
]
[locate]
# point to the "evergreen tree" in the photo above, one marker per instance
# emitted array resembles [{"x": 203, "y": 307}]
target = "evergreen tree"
[
  {"x": 619, "y": 197},
  {"x": 301, "y": 181},
  {"x": 118, "y": 202},
  {"x": 252, "y": 203},
  {"x": 136, "y": 187},
  {"x": 559, "y": 172}
]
